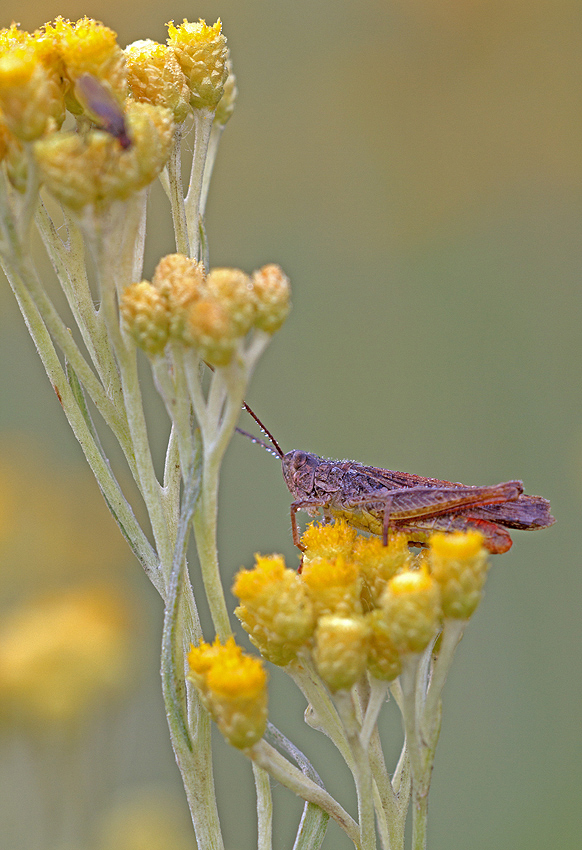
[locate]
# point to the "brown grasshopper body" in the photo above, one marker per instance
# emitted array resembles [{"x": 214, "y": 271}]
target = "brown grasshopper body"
[{"x": 383, "y": 500}]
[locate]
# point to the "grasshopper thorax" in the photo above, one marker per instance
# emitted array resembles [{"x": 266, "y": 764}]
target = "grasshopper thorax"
[{"x": 299, "y": 471}]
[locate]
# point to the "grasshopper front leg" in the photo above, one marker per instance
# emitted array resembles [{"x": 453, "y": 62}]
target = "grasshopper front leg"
[{"x": 304, "y": 505}]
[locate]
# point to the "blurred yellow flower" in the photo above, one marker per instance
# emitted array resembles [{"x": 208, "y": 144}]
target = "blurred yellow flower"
[{"x": 61, "y": 654}]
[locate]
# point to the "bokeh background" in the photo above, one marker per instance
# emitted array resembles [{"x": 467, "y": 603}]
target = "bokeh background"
[{"x": 416, "y": 168}]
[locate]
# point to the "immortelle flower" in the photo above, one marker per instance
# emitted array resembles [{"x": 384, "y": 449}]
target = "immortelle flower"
[
  {"x": 340, "y": 649},
  {"x": 233, "y": 687},
  {"x": 459, "y": 563},
  {"x": 276, "y": 610},
  {"x": 202, "y": 54},
  {"x": 411, "y": 607},
  {"x": 154, "y": 76},
  {"x": 31, "y": 94},
  {"x": 95, "y": 169}
]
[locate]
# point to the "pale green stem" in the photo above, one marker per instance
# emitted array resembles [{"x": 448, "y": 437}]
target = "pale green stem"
[
  {"x": 177, "y": 406},
  {"x": 264, "y": 808},
  {"x": 125, "y": 353},
  {"x": 324, "y": 716},
  {"x": 203, "y": 119},
  {"x": 377, "y": 698},
  {"x": 279, "y": 768},
  {"x": 362, "y": 775},
  {"x": 175, "y": 192},
  {"x": 213, "y": 142},
  {"x": 99, "y": 465},
  {"x": 68, "y": 261},
  {"x": 451, "y": 636}
]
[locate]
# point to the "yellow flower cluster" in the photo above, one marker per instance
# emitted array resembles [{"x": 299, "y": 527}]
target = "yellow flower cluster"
[
  {"x": 211, "y": 312},
  {"x": 233, "y": 687},
  {"x": 358, "y": 605},
  {"x": 125, "y": 103}
]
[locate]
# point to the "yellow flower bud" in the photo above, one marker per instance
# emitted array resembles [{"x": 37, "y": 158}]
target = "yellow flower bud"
[
  {"x": 411, "y": 606},
  {"x": 89, "y": 47},
  {"x": 182, "y": 282},
  {"x": 226, "y": 103},
  {"x": 154, "y": 76},
  {"x": 145, "y": 314},
  {"x": 341, "y": 650},
  {"x": 459, "y": 564},
  {"x": 328, "y": 540},
  {"x": 275, "y": 608},
  {"x": 209, "y": 328},
  {"x": 272, "y": 289},
  {"x": 234, "y": 290},
  {"x": 201, "y": 53},
  {"x": 334, "y": 586},
  {"x": 31, "y": 96},
  {"x": 233, "y": 687},
  {"x": 383, "y": 657},
  {"x": 96, "y": 169},
  {"x": 378, "y": 563}
]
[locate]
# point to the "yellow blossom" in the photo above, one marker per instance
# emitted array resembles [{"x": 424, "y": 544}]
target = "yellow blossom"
[
  {"x": 31, "y": 95},
  {"x": 383, "y": 657},
  {"x": 209, "y": 328},
  {"x": 459, "y": 563},
  {"x": 334, "y": 586},
  {"x": 96, "y": 169},
  {"x": 201, "y": 53},
  {"x": 275, "y": 608},
  {"x": 272, "y": 290},
  {"x": 154, "y": 76},
  {"x": 411, "y": 606},
  {"x": 378, "y": 563},
  {"x": 89, "y": 47},
  {"x": 234, "y": 290},
  {"x": 61, "y": 653},
  {"x": 328, "y": 540},
  {"x": 145, "y": 314},
  {"x": 181, "y": 281},
  {"x": 341, "y": 650},
  {"x": 233, "y": 687}
]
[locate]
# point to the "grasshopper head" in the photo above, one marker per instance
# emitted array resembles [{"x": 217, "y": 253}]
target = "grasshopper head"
[{"x": 299, "y": 472}]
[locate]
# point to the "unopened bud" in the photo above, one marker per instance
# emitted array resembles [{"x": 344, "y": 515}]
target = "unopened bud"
[
  {"x": 145, "y": 315},
  {"x": 334, "y": 586},
  {"x": 459, "y": 564},
  {"x": 341, "y": 650},
  {"x": 154, "y": 76},
  {"x": 201, "y": 53},
  {"x": 383, "y": 657},
  {"x": 273, "y": 303},
  {"x": 233, "y": 687},
  {"x": 234, "y": 290},
  {"x": 275, "y": 608},
  {"x": 411, "y": 606}
]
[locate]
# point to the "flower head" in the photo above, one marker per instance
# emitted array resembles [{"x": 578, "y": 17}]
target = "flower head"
[
  {"x": 411, "y": 607},
  {"x": 341, "y": 649},
  {"x": 334, "y": 586},
  {"x": 96, "y": 170},
  {"x": 233, "y": 686},
  {"x": 272, "y": 292},
  {"x": 154, "y": 76},
  {"x": 31, "y": 95},
  {"x": 459, "y": 563},
  {"x": 145, "y": 314},
  {"x": 275, "y": 608},
  {"x": 201, "y": 53}
]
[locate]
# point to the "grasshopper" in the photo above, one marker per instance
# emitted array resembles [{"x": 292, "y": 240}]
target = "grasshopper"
[{"x": 383, "y": 500}]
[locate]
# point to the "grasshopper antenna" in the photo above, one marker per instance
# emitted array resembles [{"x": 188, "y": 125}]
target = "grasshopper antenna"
[{"x": 278, "y": 450}]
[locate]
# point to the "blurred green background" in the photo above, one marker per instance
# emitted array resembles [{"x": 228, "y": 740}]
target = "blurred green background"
[{"x": 416, "y": 168}]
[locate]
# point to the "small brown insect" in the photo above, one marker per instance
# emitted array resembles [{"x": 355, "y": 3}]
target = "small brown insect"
[
  {"x": 102, "y": 107},
  {"x": 383, "y": 500}
]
